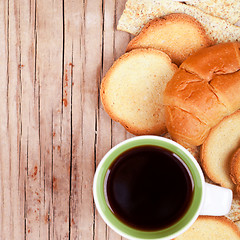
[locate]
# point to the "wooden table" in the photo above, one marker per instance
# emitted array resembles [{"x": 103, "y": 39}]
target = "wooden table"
[{"x": 53, "y": 129}]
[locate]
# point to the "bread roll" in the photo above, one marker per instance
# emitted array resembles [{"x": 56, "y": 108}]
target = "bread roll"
[{"x": 203, "y": 91}]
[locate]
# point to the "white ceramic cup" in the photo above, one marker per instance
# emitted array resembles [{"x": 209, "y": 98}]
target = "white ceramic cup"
[{"x": 207, "y": 199}]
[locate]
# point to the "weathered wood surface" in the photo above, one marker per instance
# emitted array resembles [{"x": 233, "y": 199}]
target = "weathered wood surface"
[{"x": 53, "y": 129}]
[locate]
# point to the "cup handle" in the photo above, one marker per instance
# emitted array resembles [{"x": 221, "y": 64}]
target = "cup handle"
[{"x": 217, "y": 201}]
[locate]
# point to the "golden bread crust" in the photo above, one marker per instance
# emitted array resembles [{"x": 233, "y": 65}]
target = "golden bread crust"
[
  {"x": 237, "y": 191},
  {"x": 218, "y": 149},
  {"x": 225, "y": 86},
  {"x": 217, "y": 60},
  {"x": 171, "y": 35},
  {"x": 205, "y": 86},
  {"x": 131, "y": 91},
  {"x": 188, "y": 92},
  {"x": 211, "y": 228},
  {"x": 183, "y": 122},
  {"x": 235, "y": 167}
]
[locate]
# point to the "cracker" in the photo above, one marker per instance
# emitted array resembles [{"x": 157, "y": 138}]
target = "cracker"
[
  {"x": 138, "y": 12},
  {"x": 225, "y": 9}
]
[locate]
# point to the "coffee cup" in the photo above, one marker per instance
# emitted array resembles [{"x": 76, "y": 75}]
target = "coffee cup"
[{"x": 150, "y": 187}]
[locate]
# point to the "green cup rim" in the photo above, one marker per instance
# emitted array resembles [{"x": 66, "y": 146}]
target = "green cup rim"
[{"x": 170, "y": 232}]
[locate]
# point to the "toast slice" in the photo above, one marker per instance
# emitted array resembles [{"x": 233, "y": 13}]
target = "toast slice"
[
  {"x": 139, "y": 12},
  {"x": 131, "y": 91},
  {"x": 172, "y": 34},
  {"x": 218, "y": 149},
  {"x": 211, "y": 228}
]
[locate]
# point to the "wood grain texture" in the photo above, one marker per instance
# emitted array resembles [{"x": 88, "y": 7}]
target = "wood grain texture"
[{"x": 53, "y": 129}]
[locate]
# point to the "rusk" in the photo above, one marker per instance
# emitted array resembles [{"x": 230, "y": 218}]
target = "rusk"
[
  {"x": 172, "y": 34},
  {"x": 218, "y": 150},
  {"x": 211, "y": 228},
  {"x": 131, "y": 92}
]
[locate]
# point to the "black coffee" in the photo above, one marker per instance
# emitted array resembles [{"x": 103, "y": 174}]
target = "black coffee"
[{"x": 148, "y": 188}]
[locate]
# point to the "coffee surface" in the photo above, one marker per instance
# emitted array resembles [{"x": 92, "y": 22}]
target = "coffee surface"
[{"x": 148, "y": 188}]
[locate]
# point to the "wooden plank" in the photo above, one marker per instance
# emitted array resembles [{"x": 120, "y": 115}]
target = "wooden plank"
[
  {"x": 13, "y": 116},
  {"x": 12, "y": 210},
  {"x": 86, "y": 72},
  {"x": 29, "y": 119},
  {"x": 53, "y": 166},
  {"x": 109, "y": 133},
  {"x": 73, "y": 60},
  {"x": 104, "y": 129},
  {"x": 5, "y": 193}
]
